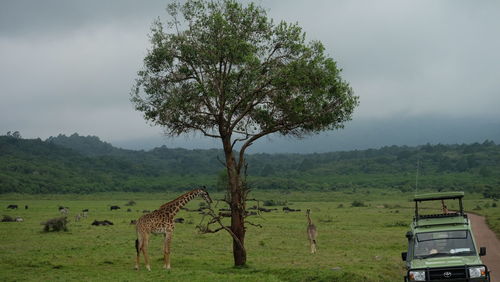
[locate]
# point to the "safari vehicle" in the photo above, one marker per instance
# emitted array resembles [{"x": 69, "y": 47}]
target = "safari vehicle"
[{"x": 441, "y": 246}]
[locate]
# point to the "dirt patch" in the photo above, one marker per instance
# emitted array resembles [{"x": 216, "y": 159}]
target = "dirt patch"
[{"x": 485, "y": 237}]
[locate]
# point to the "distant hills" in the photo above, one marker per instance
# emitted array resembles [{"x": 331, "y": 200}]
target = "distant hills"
[
  {"x": 358, "y": 134},
  {"x": 85, "y": 164}
]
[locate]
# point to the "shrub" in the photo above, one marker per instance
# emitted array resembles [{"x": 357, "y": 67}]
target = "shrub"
[
  {"x": 56, "y": 224},
  {"x": 358, "y": 203},
  {"x": 340, "y": 206}
]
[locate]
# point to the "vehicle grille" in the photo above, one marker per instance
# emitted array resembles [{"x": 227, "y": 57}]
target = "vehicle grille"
[{"x": 449, "y": 273}]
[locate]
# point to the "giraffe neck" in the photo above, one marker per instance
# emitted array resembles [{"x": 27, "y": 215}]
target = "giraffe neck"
[
  {"x": 309, "y": 219},
  {"x": 178, "y": 203}
]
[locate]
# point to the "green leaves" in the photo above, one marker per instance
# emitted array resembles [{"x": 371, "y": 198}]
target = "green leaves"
[{"x": 226, "y": 69}]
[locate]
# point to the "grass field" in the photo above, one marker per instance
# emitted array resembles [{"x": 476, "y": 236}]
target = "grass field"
[{"x": 354, "y": 243}]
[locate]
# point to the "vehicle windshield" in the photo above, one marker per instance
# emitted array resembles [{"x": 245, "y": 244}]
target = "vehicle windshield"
[{"x": 443, "y": 243}]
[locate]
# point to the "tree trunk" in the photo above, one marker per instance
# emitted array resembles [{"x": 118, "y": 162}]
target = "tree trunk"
[{"x": 237, "y": 204}]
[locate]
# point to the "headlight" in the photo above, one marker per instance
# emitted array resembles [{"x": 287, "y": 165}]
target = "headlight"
[
  {"x": 477, "y": 271},
  {"x": 417, "y": 275}
]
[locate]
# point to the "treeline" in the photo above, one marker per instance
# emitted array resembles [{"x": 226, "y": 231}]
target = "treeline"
[{"x": 80, "y": 164}]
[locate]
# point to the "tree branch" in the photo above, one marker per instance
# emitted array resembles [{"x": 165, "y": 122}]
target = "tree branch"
[
  {"x": 253, "y": 224},
  {"x": 248, "y": 143},
  {"x": 217, "y": 219}
]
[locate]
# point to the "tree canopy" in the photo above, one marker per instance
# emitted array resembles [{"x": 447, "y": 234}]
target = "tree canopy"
[{"x": 227, "y": 69}]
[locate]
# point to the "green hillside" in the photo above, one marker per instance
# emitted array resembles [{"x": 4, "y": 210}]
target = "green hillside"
[{"x": 78, "y": 164}]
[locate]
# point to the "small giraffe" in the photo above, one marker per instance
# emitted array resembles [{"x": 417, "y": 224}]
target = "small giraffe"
[
  {"x": 161, "y": 221},
  {"x": 312, "y": 233},
  {"x": 444, "y": 208}
]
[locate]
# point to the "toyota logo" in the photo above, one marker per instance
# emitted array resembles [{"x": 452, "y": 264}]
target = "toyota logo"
[{"x": 447, "y": 274}]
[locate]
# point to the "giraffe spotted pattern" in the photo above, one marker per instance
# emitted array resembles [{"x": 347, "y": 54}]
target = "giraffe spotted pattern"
[{"x": 161, "y": 221}]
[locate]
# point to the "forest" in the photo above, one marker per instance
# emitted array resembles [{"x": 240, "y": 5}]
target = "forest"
[{"x": 85, "y": 164}]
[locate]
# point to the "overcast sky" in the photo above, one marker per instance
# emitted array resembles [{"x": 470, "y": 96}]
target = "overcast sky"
[{"x": 68, "y": 66}]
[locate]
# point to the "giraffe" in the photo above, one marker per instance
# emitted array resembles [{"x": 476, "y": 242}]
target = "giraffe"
[
  {"x": 311, "y": 232},
  {"x": 444, "y": 208},
  {"x": 161, "y": 221}
]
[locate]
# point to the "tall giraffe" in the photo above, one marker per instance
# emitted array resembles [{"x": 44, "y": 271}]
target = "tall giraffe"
[
  {"x": 161, "y": 221},
  {"x": 312, "y": 233}
]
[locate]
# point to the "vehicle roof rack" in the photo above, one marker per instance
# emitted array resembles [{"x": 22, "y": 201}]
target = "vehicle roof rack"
[{"x": 438, "y": 196}]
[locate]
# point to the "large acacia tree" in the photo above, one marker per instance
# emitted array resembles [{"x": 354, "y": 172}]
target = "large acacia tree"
[{"x": 228, "y": 71}]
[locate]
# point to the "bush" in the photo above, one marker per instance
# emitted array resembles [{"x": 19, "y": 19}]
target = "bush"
[
  {"x": 56, "y": 224},
  {"x": 130, "y": 203},
  {"x": 358, "y": 203}
]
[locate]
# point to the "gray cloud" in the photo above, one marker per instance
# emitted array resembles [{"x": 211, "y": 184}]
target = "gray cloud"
[
  {"x": 39, "y": 18},
  {"x": 410, "y": 57},
  {"x": 68, "y": 66}
]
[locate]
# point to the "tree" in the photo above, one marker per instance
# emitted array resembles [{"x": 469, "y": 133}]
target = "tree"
[
  {"x": 14, "y": 134},
  {"x": 228, "y": 71}
]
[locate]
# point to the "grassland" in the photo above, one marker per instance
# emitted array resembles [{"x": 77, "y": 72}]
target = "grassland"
[{"x": 354, "y": 243}]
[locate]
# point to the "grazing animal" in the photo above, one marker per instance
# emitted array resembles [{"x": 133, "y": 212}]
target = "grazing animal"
[
  {"x": 19, "y": 219},
  {"x": 7, "y": 218},
  {"x": 64, "y": 211},
  {"x": 14, "y": 207},
  {"x": 161, "y": 221},
  {"x": 85, "y": 213},
  {"x": 114, "y": 208},
  {"x": 312, "y": 233},
  {"x": 26, "y": 207},
  {"x": 101, "y": 223},
  {"x": 78, "y": 217},
  {"x": 266, "y": 210},
  {"x": 287, "y": 209}
]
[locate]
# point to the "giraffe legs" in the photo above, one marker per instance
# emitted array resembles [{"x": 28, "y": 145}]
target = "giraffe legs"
[
  {"x": 142, "y": 246},
  {"x": 166, "y": 249},
  {"x": 145, "y": 251},
  {"x": 313, "y": 246},
  {"x": 138, "y": 244}
]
